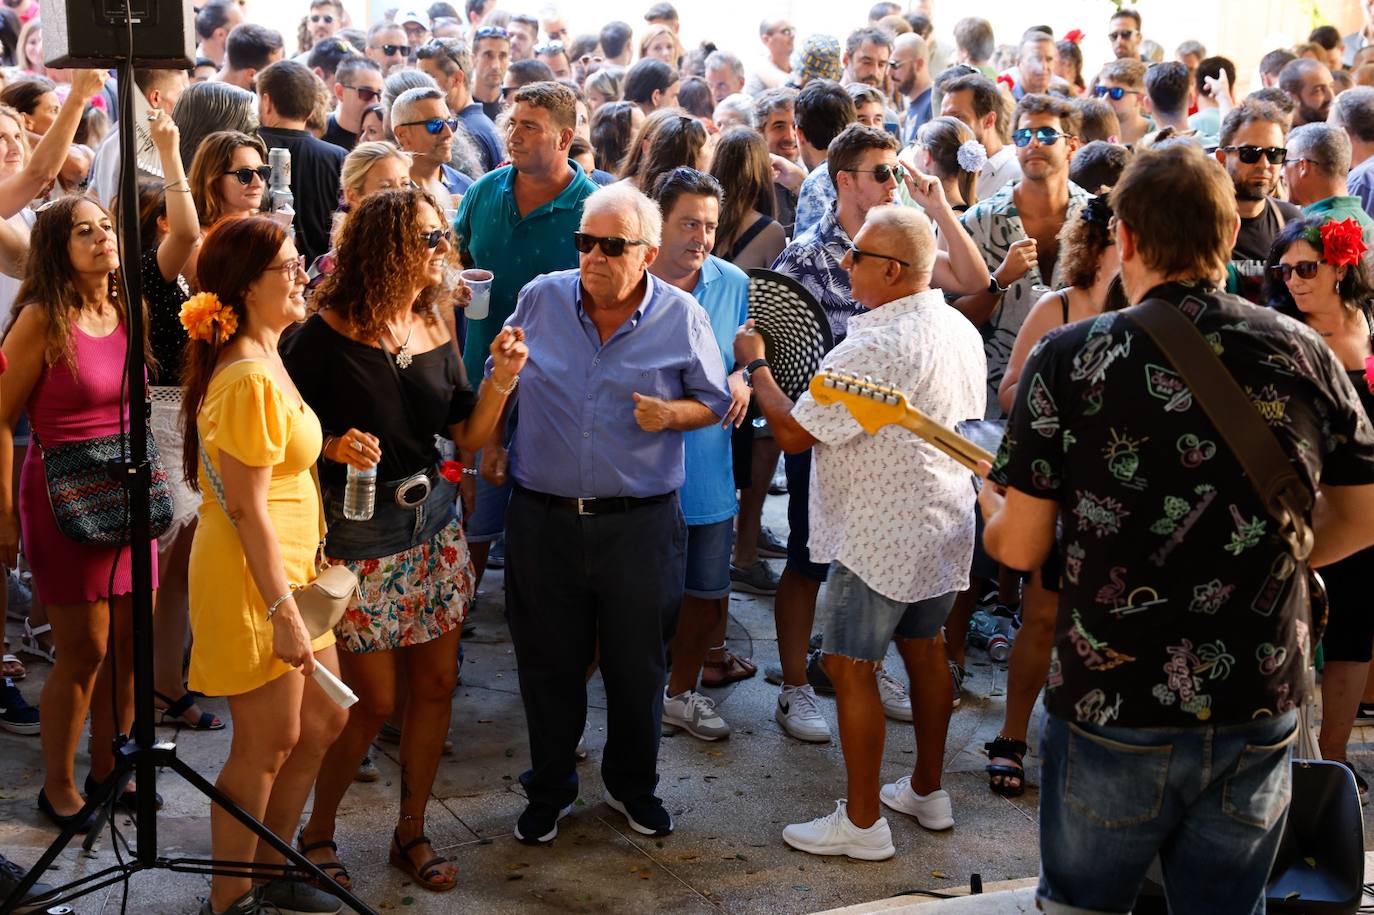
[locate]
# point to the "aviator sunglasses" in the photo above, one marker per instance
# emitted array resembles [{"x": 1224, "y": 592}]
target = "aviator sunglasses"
[{"x": 1046, "y": 136}]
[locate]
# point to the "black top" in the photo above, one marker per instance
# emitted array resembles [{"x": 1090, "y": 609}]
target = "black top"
[
  {"x": 166, "y": 336},
  {"x": 785, "y": 206},
  {"x": 315, "y": 167},
  {"x": 333, "y": 133},
  {"x": 1170, "y": 614},
  {"x": 349, "y": 386},
  {"x": 1253, "y": 242}
]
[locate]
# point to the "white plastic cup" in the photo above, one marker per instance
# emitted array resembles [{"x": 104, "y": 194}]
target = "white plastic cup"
[{"x": 479, "y": 281}]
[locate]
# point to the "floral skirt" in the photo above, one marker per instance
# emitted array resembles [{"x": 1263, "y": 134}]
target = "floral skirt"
[{"x": 411, "y": 597}]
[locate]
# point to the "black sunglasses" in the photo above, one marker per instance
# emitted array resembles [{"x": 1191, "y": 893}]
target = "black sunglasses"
[
  {"x": 1251, "y": 154},
  {"x": 436, "y": 126},
  {"x": 611, "y": 247},
  {"x": 1123, "y": 34},
  {"x": 858, "y": 253},
  {"x": 1284, "y": 272},
  {"x": 433, "y": 236},
  {"x": 490, "y": 31},
  {"x": 1045, "y": 136},
  {"x": 365, "y": 95},
  {"x": 245, "y": 174},
  {"x": 881, "y": 172},
  {"x": 391, "y": 50},
  {"x": 1116, "y": 92},
  {"x": 325, "y": 18}
]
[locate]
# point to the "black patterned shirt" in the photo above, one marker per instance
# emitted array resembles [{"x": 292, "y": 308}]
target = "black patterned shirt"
[{"x": 1175, "y": 610}]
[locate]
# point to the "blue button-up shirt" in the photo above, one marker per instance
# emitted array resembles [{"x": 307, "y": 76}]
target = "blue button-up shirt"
[{"x": 577, "y": 436}]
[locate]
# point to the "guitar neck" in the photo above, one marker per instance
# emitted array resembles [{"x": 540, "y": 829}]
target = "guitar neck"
[{"x": 944, "y": 438}]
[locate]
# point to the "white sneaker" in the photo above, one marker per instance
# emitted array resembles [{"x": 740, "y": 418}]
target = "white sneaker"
[
  {"x": 934, "y": 811},
  {"x": 836, "y": 835},
  {"x": 896, "y": 703},
  {"x": 799, "y": 713},
  {"x": 696, "y": 714}
]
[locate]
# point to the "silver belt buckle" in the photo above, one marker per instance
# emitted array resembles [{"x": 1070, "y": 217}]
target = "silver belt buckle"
[
  {"x": 581, "y": 505},
  {"x": 420, "y": 481}
]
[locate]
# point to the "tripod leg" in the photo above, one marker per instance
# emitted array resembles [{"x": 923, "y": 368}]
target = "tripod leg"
[
  {"x": 120, "y": 777},
  {"x": 204, "y": 786}
]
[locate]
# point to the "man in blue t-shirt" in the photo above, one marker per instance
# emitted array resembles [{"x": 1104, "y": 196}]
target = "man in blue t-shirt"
[
  {"x": 449, "y": 62},
  {"x": 690, "y": 201}
]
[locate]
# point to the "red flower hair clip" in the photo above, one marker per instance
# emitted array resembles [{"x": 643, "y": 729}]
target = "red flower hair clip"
[
  {"x": 1342, "y": 242},
  {"x": 1076, "y": 36}
]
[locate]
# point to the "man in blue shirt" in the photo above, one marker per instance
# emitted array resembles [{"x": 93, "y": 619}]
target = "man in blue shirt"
[
  {"x": 449, "y": 62},
  {"x": 690, "y": 203},
  {"x": 621, "y": 365},
  {"x": 518, "y": 222}
]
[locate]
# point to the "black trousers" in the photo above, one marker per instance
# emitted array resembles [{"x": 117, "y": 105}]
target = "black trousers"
[{"x": 573, "y": 581}]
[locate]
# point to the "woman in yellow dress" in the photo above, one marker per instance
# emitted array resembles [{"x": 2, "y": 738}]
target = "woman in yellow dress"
[{"x": 257, "y": 535}]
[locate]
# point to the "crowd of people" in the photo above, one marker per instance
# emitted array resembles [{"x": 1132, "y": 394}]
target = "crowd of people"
[{"x": 594, "y": 412}]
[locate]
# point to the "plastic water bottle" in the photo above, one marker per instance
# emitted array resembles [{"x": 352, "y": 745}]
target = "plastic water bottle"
[{"x": 360, "y": 493}]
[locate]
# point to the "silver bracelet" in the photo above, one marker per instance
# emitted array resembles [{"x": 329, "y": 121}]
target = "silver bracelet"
[
  {"x": 469, "y": 471},
  {"x": 272, "y": 607},
  {"x": 505, "y": 392}
]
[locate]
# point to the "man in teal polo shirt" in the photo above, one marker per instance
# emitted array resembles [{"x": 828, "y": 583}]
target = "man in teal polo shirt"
[
  {"x": 690, "y": 201},
  {"x": 1315, "y": 169},
  {"x": 518, "y": 222}
]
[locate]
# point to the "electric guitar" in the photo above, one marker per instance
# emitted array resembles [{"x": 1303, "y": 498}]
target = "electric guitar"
[{"x": 875, "y": 405}]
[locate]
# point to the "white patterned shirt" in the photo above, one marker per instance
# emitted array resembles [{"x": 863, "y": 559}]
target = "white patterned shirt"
[{"x": 892, "y": 508}]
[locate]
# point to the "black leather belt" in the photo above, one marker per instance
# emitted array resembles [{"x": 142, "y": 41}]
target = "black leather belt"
[{"x": 601, "y": 506}]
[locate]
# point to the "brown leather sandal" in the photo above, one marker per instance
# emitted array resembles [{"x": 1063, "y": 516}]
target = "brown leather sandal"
[
  {"x": 729, "y": 669},
  {"x": 425, "y": 874}
]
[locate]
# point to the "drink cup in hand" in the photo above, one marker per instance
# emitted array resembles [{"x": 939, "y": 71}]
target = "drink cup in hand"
[{"x": 479, "y": 281}]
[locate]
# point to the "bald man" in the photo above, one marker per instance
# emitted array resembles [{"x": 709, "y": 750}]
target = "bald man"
[
  {"x": 892, "y": 515},
  {"x": 910, "y": 69}
]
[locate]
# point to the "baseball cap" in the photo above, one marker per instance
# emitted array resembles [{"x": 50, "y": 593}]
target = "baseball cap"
[{"x": 412, "y": 15}]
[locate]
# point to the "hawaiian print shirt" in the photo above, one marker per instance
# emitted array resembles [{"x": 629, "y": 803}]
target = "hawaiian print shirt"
[
  {"x": 1177, "y": 606},
  {"x": 813, "y": 260},
  {"x": 995, "y": 226},
  {"x": 816, "y": 198}
]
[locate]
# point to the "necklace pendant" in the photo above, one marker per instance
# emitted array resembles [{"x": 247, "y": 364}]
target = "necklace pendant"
[{"x": 403, "y": 358}]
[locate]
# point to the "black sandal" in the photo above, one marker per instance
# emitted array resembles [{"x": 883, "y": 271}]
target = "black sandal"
[
  {"x": 174, "y": 712},
  {"x": 426, "y": 873},
  {"x": 334, "y": 870},
  {"x": 1006, "y": 748}
]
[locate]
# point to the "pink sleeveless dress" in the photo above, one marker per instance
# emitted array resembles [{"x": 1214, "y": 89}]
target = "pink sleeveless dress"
[{"x": 68, "y": 408}]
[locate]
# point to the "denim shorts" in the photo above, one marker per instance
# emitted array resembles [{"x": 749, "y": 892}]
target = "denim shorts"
[
  {"x": 708, "y": 559},
  {"x": 1112, "y": 798},
  {"x": 858, "y": 622},
  {"x": 798, "y": 469}
]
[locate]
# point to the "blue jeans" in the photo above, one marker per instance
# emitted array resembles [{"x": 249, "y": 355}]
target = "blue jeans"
[{"x": 1209, "y": 801}]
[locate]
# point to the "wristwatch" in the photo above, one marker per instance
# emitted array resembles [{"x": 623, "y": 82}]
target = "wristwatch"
[
  {"x": 996, "y": 288},
  {"x": 751, "y": 368}
]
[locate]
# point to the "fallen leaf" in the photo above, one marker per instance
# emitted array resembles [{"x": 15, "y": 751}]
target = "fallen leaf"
[
  {"x": 516, "y": 866},
  {"x": 938, "y": 874}
]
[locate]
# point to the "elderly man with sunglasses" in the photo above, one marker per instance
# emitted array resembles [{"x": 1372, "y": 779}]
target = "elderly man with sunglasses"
[
  {"x": 1253, "y": 147},
  {"x": 424, "y": 128},
  {"x": 621, "y": 365}
]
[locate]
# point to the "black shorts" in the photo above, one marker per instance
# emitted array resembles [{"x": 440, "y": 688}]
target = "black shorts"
[{"x": 1350, "y": 624}]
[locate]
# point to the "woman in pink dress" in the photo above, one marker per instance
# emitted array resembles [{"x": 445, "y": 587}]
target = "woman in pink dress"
[{"x": 66, "y": 349}]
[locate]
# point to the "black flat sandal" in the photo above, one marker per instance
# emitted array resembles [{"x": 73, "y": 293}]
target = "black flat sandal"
[
  {"x": 1006, "y": 748},
  {"x": 334, "y": 870}
]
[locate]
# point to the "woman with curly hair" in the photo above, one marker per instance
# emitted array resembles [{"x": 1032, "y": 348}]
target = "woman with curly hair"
[
  {"x": 377, "y": 357},
  {"x": 369, "y": 167},
  {"x": 250, "y": 442},
  {"x": 1317, "y": 274}
]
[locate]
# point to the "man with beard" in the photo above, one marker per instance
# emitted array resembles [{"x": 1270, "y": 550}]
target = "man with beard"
[
  {"x": 910, "y": 69},
  {"x": 1252, "y": 147},
  {"x": 1308, "y": 83},
  {"x": 975, "y": 100},
  {"x": 1123, "y": 31},
  {"x": 775, "y": 118},
  {"x": 1017, "y": 229},
  {"x": 491, "y": 55},
  {"x": 866, "y": 53}
]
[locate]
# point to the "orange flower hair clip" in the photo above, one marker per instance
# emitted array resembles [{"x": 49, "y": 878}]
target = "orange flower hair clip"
[{"x": 208, "y": 319}]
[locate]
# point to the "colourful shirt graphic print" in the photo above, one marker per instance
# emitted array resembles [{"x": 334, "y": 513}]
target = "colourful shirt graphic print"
[{"x": 1177, "y": 606}]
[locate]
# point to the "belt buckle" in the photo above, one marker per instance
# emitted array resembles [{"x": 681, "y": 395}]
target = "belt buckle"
[
  {"x": 582, "y": 505},
  {"x": 419, "y": 481}
]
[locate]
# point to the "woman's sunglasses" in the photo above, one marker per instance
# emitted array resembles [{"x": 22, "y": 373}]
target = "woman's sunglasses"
[
  {"x": 434, "y": 236},
  {"x": 1284, "y": 272},
  {"x": 611, "y": 247},
  {"x": 245, "y": 174}
]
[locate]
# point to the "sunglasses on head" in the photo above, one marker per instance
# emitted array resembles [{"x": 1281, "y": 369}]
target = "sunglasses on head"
[
  {"x": 365, "y": 95},
  {"x": 1284, "y": 272},
  {"x": 881, "y": 172},
  {"x": 1116, "y": 92},
  {"x": 490, "y": 31},
  {"x": 435, "y": 126},
  {"x": 611, "y": 247},
  {"x": 1123, "y": 34},
  {"x": 245, "y": 175},
  {"x": 391, "y": 50},
  {"x": 1251, "y": 154},
  {"x": 551, "y": 47},
  {"x": 433, "y": 236},
  {"x": 325, "y": 18},
  {"x": 1045, "y": 136}
]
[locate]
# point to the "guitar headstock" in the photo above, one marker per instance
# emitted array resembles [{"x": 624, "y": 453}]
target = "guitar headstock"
[{"x": 872, "y": 403}]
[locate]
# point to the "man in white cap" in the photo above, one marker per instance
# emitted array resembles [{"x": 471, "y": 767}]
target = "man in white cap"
[{"x": 416, "y": 23}]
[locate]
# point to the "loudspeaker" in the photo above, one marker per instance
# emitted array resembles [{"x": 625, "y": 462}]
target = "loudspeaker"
[{"x": 94, "y": 33}]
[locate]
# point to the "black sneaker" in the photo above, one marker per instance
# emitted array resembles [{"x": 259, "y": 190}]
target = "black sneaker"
[
  {"x": 16, "y": 715},
  {"x": 538, "y": 825},
  {"x": 646, "y": 816},
  {"x": 247, "y": 904},
  {"x": 292, "y": 897},
  {"x": 11, "y": 875}
]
